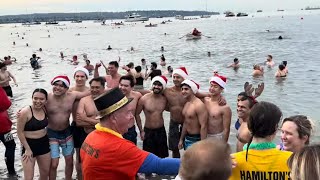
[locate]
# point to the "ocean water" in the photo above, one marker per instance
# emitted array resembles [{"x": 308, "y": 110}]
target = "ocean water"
[{"x": 227, "y": 38}]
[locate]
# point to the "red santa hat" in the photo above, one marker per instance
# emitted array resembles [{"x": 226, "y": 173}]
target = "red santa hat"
[
  {"x": 162, "y": 79},
  {"x": 220, "y": 80},
  {"x": 82, "y": 69},
  {"x": 193, "y": 85},
  {"x": 181, "y": 71},
  {"x": 62, "y": 78}
]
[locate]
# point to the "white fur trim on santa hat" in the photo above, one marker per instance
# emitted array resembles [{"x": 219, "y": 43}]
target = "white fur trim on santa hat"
[
  {"x": 160, "y": 79},
  {"x": 64, "y": 79},
  {"x": 219, "y": 81},
  {"x": 181, "y": 73},
  {"x": 193, "y": 85},
  {"x": 82, "y": 69}
]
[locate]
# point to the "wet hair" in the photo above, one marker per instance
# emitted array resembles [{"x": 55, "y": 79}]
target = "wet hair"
[
  {"x": 281, "y": 67},
  {"x": 100, "y": 79},
  {"x": 154, "y": 64},
  {"x": 270, "y": 56},
  {"x": 115, "y": 63},
  {"x": 242, "y": 94},
  {"x": 252, "y": 101},
  {"x": 285, "y": 63},
  {"x": 304, "y": 125},
  {"x": 199, "y": 162},
  {"x": 305, "y": 164},
  {"x": 263, "y": 121},
  {"x": 129, "y": 78},
  {"x": 170, "y": 69},
  {"x": 138, "y": 68},
  {"x": 5, "y": 58},
  {"x": 88, "y": 61},
  {"x": 143, "y": 60},
  {"x": 2, "y": 65},
  {"x": 34, "y": 55},
  {"x": 40, "y": 90},
  {"x": 235, "y": 60},
  {"x": 130, "y": 65}
]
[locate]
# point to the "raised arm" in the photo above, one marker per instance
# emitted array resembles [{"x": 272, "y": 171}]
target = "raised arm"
[
  {"x": 226, "y": 119},
  {"x": 202, "y": 114},
  {"x": 96, "y": 71},
  {"x": 137, "y": 116}
]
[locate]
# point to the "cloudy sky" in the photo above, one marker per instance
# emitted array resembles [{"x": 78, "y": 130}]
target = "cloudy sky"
[{"x": 36, "y": 6}]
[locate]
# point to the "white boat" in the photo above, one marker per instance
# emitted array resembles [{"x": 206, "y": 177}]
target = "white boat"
[
  {"x": 205, "y": 16},
  {"x": 134, "y": 17},
  {"x": 31, "y": 23},
  {"x": 179, "y": 17},
  {"x": 151, "y": 25},
  {"x": 190, "y": 36}
]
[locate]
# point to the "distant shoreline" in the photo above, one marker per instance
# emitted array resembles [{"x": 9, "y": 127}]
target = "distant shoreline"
[{"x": 44, "y": 17}]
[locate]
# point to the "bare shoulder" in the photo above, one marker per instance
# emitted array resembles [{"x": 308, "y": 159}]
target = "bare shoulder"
[
  {"x": 136, "y": 95},
  {"x": 25, "y": 111},
  {"x": 85, "y": 99}
]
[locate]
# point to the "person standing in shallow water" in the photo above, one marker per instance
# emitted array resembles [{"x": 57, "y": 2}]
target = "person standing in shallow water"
[
  {"x": 5, "y": 132},
  {"x": 32, "y": 133}
]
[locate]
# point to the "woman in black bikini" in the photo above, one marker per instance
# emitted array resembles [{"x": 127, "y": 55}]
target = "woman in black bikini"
[{"x": 32, "y": 133}]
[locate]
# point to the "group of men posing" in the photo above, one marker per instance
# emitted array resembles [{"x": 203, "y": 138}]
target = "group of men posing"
[{"x": 191, "y": 119}]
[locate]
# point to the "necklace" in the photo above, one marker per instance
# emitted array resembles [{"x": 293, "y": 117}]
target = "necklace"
[{"x": 260, "y": 146}]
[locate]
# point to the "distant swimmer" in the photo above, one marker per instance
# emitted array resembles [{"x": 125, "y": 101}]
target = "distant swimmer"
[
  {"x": 34, "y": 61},
  {"x": 235, "y": 64},
  {"x": 280, "y": 37},
  {"x": 75, "y": 60},
  {"x": 109, "y": 48},
  {"x": 22, "y": 38},
  {"x": 165, "y": 34},
  {"x": 49, "y": 36},
  {"x": 27, "y": 45},
  {"x": 131, "y": 49},
  {"x": 40, "y": 49},
  {"x": 162, "y": 48},
  {"x": 285, "y": 65},
  {"x": 162, "y": 60},
  {"x": 257, "y": 70},
  {"x": 209, "y": 54},
  {"x": 270, "y": 63},
  {"x": 14, "y": 43},
  {"x": 281, "y": 71},
  {"x": 61, "y": 55},
  {"x": 268, "y": 30}
]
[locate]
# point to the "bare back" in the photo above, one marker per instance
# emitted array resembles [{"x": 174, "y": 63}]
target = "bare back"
[
  {"x": 59, "y": 110},
  {"x": 176, "y": 103},
  {"x": 153, "y": 107}
]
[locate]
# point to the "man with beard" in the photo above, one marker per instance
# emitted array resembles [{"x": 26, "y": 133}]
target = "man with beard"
[
  {"x": 153, "y": 104},
  {"x": 112, "y": 78},
  {"x": 80, "y": 76},
  {"x": 219, "y": 116},
  {"x": 126, "y": 85},
  {"x": 59, "y": 108},
  {"x": 86, "y": 114},
  {"x": 195, "y": 116}
]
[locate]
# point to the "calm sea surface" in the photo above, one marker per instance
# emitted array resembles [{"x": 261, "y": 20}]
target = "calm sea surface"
[{"x": 245, "y": 38}]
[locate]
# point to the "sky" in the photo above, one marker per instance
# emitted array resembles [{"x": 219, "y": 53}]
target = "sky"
[{"x": 10, "y": 7}]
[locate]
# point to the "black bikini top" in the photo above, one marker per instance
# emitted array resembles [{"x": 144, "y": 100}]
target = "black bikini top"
[{"x": 34, "y": 124}]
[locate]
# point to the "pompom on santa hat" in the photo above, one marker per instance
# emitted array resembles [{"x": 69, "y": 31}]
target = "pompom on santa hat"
[
  {"x": 62, "y": 78},
  {"x": 220, "y": 80},
  {"x": 193, "y": 85},
  {"x": 181, "y": 71},
  {"x": 162, "y": 79},
  {"x": 81, "y": 69}
]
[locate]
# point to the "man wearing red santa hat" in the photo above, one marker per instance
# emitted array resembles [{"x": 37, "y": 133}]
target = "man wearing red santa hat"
[
  {"x": 195, "y": 116},
  {"x": 153, "y": 104},
  {"x": 219, "y": 116},
  {"x": 59, "y": 108}
]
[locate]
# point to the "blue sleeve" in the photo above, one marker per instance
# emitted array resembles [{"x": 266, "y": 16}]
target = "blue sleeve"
[{"x": 161, "y": 166}]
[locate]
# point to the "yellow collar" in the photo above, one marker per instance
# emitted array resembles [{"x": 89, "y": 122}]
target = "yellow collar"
[{"x": 107, "y": 130}]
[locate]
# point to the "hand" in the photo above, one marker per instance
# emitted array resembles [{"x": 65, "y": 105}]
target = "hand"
[
  {"x": 28, "y": 155},
  {"x": 142, "y": 135},
  {"x": 222, "y": 101},
  {"x": 180, "y": 145},
  {"x": 98, "y": 64},
  {"x": 233, "y": 162},
  {"x": 18, "y": 113}
]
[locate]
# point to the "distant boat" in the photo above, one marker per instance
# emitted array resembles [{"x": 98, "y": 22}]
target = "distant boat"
[
  {"x": 179, "y": 17},
  {"x": 76, "y": 21},
  {"x": 134, "y": 17},
  {"x": 242, "y": 14},
  {"x": 52, "y": 22},
  {"x": 280, "y": 10},
  {"x": 151, "y": 25},
  {"x": 229, "y": 14},
  {"x": 312, "y": 8},
  {"x": 190, "y": 36},
  {"x": 205, "y": 16},
  {"x": 259, "y": 11},
  {"x": 31, "y": 23}
]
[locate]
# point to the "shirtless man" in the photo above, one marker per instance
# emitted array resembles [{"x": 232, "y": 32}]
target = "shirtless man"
[
  {"x": 59, "y": 108},
  {"x": 270, "y": 63},
  {"x": 86, "y": 114},
  {"x": 257, "y": 70},
  {"x": 195, "y": 116},
  {"x": 89, "y": 66},
  {"x": 175, "y": 105},
  {"x": 153, "y": 104},
  {"x": 112, "y": 77},
  {"x": 126, "y": 85},
  {"x": 5, "y": 78},
  {"x": 235, "y": 64},
  {"x": 219, "y": 116},
  {"x": 80, "y": 75}
]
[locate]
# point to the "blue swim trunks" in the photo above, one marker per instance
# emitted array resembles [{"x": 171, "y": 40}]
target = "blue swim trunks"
[
  {"x": 61, "y": 139},
  {"x": 191, "y": 139}
]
